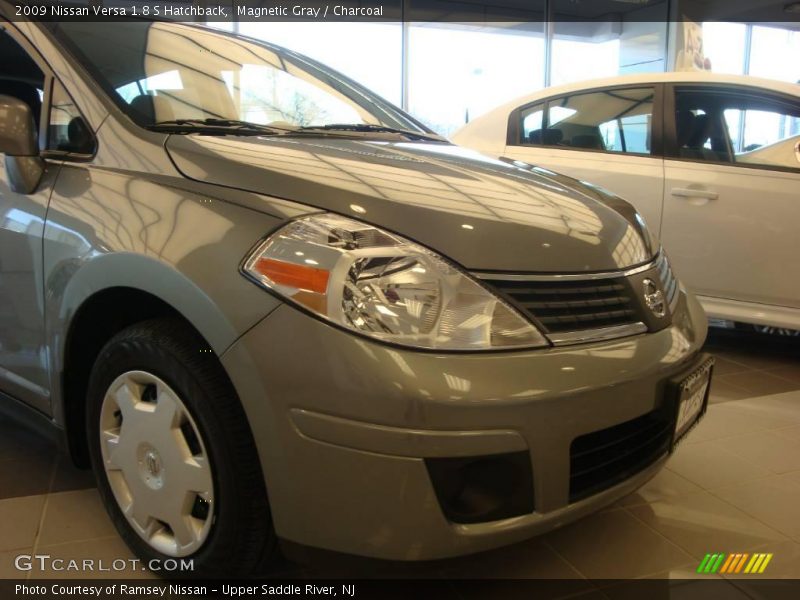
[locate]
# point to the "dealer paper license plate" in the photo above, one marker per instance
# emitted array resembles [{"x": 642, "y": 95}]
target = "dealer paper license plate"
[{"x": 692, "y": 399}]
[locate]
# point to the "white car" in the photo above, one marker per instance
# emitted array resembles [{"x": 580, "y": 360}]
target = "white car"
[{"x": 711, "y": 161}]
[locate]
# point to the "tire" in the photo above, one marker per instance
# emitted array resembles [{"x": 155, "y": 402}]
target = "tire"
[{"x": 177, "y": 453}]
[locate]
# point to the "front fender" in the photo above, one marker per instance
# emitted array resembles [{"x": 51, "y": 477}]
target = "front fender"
[{"x": 110, "y": 229}]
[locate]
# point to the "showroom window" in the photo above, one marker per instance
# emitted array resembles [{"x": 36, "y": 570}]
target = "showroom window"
[
  {"x": 775, "y": 53},
  {"x": 725, "y": 46},
  {"x": 457, "y": 73},
  {"x": 585, "y": 55},
  {"x": 369, "y": 53},
  {"x": 728, "y": 126},
  {"x": 617, "y": 120},
  {"x": 758, "y": 50}
]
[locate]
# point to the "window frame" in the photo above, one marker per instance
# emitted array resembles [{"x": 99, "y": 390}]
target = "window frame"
[
  {"x": 671, "y": 150},
  {"x": 49, "y": 78},
  {"x": 514, "y": 129}
]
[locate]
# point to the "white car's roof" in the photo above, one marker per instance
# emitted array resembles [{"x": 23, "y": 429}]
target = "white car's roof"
[{"x": 490, "y": 128}]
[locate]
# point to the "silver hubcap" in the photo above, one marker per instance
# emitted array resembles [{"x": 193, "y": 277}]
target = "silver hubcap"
[{"x": 156, "y": 463}]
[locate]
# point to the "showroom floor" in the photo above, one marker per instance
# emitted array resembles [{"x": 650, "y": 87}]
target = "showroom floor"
[{"x": 732, "y": 486}]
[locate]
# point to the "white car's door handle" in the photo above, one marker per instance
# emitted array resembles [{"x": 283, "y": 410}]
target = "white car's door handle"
[{"x": 690, "y": 193}]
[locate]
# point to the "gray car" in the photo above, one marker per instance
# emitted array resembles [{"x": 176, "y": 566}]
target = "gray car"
[{"x": 264, "y": 304}]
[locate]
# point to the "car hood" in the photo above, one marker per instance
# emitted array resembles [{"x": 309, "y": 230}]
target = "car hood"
[{"x": 485, "y": 214}]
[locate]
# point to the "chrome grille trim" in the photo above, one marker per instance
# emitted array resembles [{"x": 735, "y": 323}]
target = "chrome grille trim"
[
  {"x": 596, "y": 335},
  {"x": 567, "y": 277}
]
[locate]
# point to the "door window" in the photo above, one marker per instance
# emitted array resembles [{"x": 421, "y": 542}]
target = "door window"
[
  {"x": 737, "y": 127},
  {"x": 616, "y": 120}
]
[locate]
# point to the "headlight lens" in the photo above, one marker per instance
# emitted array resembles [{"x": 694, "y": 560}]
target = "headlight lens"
[{"x": 386, "y": 287}]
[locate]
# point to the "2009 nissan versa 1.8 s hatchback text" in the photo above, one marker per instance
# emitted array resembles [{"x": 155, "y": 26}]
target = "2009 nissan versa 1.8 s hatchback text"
[{"x": 265, "y": 304}]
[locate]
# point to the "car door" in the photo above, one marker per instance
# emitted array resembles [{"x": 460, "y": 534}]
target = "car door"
[
  {"x": 23, "y": 355},
  {"x": 732, "y": 200},
  {"x": 609, "y": 137}
]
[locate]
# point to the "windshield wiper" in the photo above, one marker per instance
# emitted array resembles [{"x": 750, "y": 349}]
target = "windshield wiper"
[
  {"x": 221, "y": 126},
  {"x": 370, "y": 128},
  {"x": 236, "y": 127}
]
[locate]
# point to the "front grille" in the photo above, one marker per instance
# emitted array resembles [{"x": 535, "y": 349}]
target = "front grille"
[
  {"x": 572, "y": 305},
  {"x": 602, "y": 459}
]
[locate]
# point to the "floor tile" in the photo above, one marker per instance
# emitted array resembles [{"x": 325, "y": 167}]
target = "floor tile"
[
  {"x": 615, "y": 545},
  {"x": 26, "y": 476},
  {"x": 791, "y": 372},
  {"x": 726, "y": 366},
  {"x": 8, "y": 558},
  {"x": 68, "y": 477},
  {"x": 754, "y": 351},
  {"x": 688, "y": 571},
  {"x": 702, "y": 523},
  {"x": 784, "y": 408},
  {"x": 19, "y": 518},
  {"x": 104, "y": 558},
  {"x": 18, "y": 442},
  {"x": 759, "y": 383},
  {"x": 330, "y": 565},
  {"x": 74, "y": 516},
  {"x": 732, "y": 418},
  {"x": 709, "y": 466},
  {"x": 722, "y": 391},
  {"x": 769, "y": 449},
  {"x": 667, "y": 485},
  {"x": 792, "y": 433},
  {"x": 774, "y": 500},
  {"x": 529, "y": 560}
]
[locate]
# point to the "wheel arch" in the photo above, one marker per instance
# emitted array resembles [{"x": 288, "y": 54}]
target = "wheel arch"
[{"x": 102, "y": 297}]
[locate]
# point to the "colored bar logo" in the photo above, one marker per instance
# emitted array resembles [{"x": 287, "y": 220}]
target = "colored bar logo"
[{"x": 740, "y": 562}]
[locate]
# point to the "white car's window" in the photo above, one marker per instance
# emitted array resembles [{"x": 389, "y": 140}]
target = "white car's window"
[
  {"x": 616, "y": 120},
  {"x": 764, "y": 137},
  {"x": 532, "y": 120},
  {"x": 728, "y": 125}
]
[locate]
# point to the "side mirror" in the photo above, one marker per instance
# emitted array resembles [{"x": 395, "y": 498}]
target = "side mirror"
[{"x": 18, "y": 142}]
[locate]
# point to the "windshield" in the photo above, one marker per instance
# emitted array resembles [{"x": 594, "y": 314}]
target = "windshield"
[{"x": 163, "y": 72}]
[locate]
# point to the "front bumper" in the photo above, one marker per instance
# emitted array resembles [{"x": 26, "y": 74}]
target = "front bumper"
[{"x": 343, "y": 426}]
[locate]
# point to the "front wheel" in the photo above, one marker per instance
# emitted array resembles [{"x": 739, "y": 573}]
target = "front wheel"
[{"x": 173, "y": 453}]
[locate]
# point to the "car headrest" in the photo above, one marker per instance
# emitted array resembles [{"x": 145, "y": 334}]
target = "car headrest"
[
  {"x": 684, "y": 125},
  {"x": 151, "y": 109},
  {"x": 80, "y": 136},
  {"x": 546, "y": 137},
  {"x": 701, "y": 131},
  {"x": 590, "y": 141}
]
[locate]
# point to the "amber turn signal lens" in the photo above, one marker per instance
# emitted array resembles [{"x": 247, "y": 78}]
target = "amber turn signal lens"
[{"x": 293, "y": 275}]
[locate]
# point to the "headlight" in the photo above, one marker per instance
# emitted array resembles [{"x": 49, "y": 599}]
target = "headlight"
[{"x": 385, "y": 287}]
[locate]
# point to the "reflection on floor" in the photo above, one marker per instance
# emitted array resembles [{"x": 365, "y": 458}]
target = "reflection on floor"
[{"x": 732, "y": 486}]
